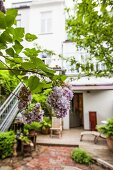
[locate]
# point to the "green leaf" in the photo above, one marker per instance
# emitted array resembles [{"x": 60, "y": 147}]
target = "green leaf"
[
  {"x": 40, "y": 65},
  {"x": 3, "y": 46},
  {"x": 10, "y": 17},
  {"x": 33, "y": 82},
  {"x": 63, "y": 77},
  {"x": 28, "y": 65},
  {"x": 5, "y": 37},
  {"x": 30, "y": 37},
  {"x": 18, "y": 34},
  {"x": 1, "y": 65},
  {"x": 10, "y": 52},
  {"x": 12, "y": 12},
  {"x": 18, "y": 47},
  {"x": 31, "y": 52},
  {"x": 2, "y": 21}
]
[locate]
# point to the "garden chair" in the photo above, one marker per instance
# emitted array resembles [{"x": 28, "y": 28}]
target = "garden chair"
[
  {"x": 56, "y": 129},
  {"x": 96, "y": 135}
]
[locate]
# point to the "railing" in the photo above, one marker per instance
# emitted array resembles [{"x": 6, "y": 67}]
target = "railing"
[{"x": 9, "y": 109}]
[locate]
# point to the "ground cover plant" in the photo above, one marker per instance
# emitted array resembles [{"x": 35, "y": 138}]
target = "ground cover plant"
[{"x": 81, "y": 156}]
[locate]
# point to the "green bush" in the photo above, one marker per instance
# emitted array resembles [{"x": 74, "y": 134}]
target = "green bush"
[
  {"x": 7, "y": 140},
  {"x": 80, "y": 156},
  {"x": 106, "y": 129}
]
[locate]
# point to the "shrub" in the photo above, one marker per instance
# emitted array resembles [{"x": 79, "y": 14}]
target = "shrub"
[
  {"x": 7, "y": 140},
  {"x": 80, "y": 156}
]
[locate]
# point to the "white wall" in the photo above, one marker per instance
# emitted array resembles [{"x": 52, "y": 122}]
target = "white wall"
[
  {"x": 54, "y": 40},
  {"x": 25, "y": 15},
  {"x": 99, "y": 101}
]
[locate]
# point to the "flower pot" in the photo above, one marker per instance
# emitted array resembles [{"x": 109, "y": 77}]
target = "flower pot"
[
  {"x": 32, "y": 132},
  {"x": 110, "y": 143},
  {"x": 45, "y": 131}
]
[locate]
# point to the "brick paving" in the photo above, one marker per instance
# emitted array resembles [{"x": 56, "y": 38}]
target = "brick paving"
[
  {"x": 51, "y": 154},
  {"x": 51, "y": 158},
  {"x": 46, "y": 158},
  {"x": 54, "y": 158}
]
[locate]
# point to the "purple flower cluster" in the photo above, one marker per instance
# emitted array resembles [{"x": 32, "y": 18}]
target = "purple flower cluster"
[
  {"x": 24, "y": 97},
  {"x": 35, "y": 115},
  {"x": 59, "y": 99}
]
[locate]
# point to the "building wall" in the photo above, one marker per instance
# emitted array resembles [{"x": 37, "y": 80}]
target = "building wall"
[
  {"x": 25, "y": 16},
  {"x": 51, "y": 41},
  {"x": 99, "y": 101}
]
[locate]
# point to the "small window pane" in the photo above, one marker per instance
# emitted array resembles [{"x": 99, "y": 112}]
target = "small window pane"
[{"x": 46, "y": 22}]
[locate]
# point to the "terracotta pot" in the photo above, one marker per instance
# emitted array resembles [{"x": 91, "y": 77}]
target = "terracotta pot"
[{"x": 110, "y": 143}]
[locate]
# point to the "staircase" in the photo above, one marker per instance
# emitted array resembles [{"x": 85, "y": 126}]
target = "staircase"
[{"x": 9, "y": 109}]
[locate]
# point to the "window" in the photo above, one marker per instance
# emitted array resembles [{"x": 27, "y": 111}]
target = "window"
[{"x": 46, "y": 22}]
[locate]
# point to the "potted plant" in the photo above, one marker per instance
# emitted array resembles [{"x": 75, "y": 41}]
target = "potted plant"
[
  {"x": 32, "y": 128},
  {"x": 45, "y": 125},
  {"x": 107, "y": 130},
  {"x": 26, "y": 144}
]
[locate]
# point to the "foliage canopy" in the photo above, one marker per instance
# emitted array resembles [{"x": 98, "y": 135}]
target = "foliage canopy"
[
  {"x": 22, "y": 61},
  {"x": 89, "y": 25}
]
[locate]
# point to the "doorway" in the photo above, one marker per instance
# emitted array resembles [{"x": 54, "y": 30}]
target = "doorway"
[{"x": 76, "y": 114}]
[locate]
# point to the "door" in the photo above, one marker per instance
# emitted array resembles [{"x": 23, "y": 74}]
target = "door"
[
  {"x": 92, "y": 120},
  {"x": 76, "y": 114}
]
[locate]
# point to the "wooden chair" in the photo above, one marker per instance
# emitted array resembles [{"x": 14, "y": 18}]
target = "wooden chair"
[{"x": 56, "y": 129}]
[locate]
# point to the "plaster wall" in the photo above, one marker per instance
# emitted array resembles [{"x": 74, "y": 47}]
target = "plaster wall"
[
  {"x": 99, "y": 101},
  {"x": 51, "y": 41}
]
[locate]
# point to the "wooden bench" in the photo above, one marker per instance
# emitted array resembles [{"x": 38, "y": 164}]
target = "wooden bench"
[{"x": 94, "y": 133}]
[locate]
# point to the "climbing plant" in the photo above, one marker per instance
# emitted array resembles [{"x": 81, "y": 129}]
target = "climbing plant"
[
  {"x": 89, "y": 25},
  {"x": 22, "y": 61}
]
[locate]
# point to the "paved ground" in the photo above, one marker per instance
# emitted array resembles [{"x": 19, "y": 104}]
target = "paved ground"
[
  {"x": 54, "y": 153},
  {"x": 47, "y": 158},
  {"x": 72, "y": 137}
]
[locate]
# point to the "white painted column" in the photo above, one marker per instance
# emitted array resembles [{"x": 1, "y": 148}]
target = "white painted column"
[{"x": 66, "y": 121}]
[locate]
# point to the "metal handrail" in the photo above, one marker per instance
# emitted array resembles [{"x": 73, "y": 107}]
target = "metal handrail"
[
  {"x": 9, "y": 109},
  {"x": 10, "y": 98}
]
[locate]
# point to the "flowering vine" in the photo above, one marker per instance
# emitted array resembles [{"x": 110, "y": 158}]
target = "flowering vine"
[
  {"x": 59, "y": 99},
  {"x": 24, "y": 98}
]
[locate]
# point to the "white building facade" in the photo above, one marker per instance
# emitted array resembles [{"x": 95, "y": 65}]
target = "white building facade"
[{"x": 46, "y": 19}]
